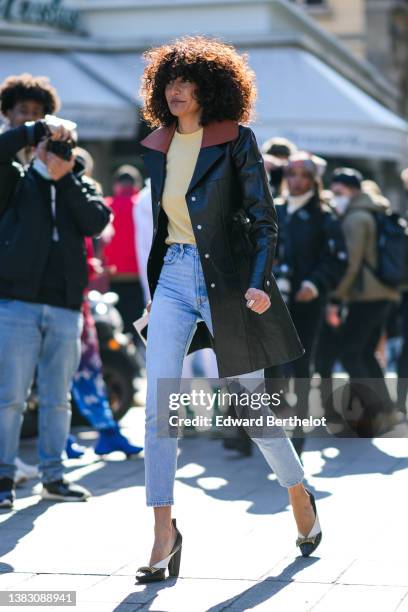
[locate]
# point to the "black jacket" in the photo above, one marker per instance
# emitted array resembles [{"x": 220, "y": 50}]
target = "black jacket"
[
  {"x": 26, "y": 222},
  {"x": 229, "y": 184},
  {"x": 312, "y": 245}
]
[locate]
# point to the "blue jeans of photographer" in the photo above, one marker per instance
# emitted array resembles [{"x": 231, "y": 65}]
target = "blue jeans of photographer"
[
  {"x": 36, "y": 338},
  {"x": 180, "y": 301}
]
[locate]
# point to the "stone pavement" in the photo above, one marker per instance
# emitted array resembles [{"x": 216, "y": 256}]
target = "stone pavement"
[{"x": 239, "y": 536}]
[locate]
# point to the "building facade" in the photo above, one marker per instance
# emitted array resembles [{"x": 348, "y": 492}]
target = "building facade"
[
  {"x": 375, "y": 30},
  {"x": 345, "y": 19},
  {"x": 387, "y": 43}
]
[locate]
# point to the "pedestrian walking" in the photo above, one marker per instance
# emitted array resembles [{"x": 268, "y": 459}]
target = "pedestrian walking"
[
  {"x": 120, "y": 252},
  {"x": 210, "y": 286},
  {"x": 311, "y": 259},
  {"x": 368, "y": 300},
  {"x": 276, "y": 152}
]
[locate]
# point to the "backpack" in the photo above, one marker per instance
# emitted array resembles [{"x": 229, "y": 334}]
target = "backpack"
[{"x": 392, "y": 249}]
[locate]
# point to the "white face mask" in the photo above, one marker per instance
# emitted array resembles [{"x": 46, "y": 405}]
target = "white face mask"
[
  {"x": 341, "y": 203},
  {"x": 41, "y": 168}
]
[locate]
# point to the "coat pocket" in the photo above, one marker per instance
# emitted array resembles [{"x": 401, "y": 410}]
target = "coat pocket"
[{"x": 241, "y": 232}]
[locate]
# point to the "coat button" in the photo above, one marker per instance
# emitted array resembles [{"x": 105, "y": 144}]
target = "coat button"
[
  {"x": 206, "y": 255},
  {"x": 193, "y": 199},
  {"x": 268, "y": 283},
  {"x": 212, "y": 285},
  {"x": 199, "y": 226}
]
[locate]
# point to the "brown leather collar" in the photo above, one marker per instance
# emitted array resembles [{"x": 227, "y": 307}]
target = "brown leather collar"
[{"x": 215, "y": 133}]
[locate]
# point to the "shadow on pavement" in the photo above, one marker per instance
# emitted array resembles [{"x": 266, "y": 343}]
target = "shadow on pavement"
[
  {"x": 243, "y": 478},
  {"x": 153, "y": 589},
  {"x": 17, "y": 526},
  {"x": 265, "y": 590},
  {"x": 262, "y": 591}
]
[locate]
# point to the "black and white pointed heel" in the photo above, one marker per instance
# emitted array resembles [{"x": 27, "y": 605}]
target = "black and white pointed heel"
[
  {"x": 309, "y": 543},
  {"x": 153, "y": 573}
]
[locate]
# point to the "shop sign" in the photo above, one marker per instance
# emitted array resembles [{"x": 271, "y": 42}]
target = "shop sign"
[{"x": 51, "y": 13}]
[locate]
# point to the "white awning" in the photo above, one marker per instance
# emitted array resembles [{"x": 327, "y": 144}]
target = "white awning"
[
  {"x": 100, "y": 112},
  {"x": 121, "y": 72},
  {"x": 299, "y": 97},
  {"x": 303, "y": 99}
]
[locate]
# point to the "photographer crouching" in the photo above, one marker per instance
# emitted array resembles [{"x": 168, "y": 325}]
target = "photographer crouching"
[{"x": 46, "y": 210}]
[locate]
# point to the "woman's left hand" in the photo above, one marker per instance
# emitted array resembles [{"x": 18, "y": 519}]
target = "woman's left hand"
[{"x": 257, "y": 300}]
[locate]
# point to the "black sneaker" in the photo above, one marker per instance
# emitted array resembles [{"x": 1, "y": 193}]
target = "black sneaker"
[
  {"x": 7, "y": 493},
  {"x": 62, "y": 490}
]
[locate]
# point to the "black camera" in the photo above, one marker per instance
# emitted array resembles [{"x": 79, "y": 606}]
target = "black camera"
[{"x": 61, "y": 148}]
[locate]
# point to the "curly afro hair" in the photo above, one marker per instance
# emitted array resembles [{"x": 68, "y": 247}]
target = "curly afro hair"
[
  {"x": 22, "y": 87},
  {"x": 225, "y": 82}
]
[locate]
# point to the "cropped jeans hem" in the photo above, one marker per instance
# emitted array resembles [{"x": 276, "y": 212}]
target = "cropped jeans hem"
[
  {"x": 160, "y": 503},
  {"x": 287, "y": 485}
]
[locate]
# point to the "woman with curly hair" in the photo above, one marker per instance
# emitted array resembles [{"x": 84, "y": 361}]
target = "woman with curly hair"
[{"x": 210, "y": 262}]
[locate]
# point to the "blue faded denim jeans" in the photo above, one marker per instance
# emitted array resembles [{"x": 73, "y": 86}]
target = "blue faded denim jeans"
[
  {"x": 36, "y": 338},
  {"x": 180, "y": 301}
]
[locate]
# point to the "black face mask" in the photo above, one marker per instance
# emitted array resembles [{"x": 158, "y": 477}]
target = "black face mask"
[{"x": 275, "y": 179}]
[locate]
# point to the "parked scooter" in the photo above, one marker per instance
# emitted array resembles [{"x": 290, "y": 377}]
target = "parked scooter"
[{"x": 123, "y": 365}]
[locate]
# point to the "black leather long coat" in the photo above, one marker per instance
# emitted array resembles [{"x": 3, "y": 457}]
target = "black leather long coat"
[{"x": 235, "y": 226}]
